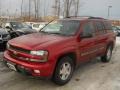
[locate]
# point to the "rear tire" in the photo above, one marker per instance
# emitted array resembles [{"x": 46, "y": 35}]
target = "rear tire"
[
  {"x": 108, "y": 54},
  {"x": 64, "y": 71}
]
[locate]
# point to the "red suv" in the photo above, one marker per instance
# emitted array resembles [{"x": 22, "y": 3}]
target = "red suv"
[{"x": 60, "y": 47}]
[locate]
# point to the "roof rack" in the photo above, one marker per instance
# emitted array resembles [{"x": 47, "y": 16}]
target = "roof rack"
[
  {"x": 95, "y": 18},
  {"x": 86, "y": 17}
]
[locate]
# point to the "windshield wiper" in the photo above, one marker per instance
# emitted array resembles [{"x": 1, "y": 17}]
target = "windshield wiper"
[{"x": 47, "y": 24}]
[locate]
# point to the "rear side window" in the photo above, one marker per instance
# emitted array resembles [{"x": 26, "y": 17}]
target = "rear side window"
[
  {"x": 100, "y": 26},
  {"x": 108, "y": 25},
  {"x": 88, "y": 28}
]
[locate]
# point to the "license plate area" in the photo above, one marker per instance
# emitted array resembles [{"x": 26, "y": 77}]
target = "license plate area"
[{"x": 11, "y": 66}]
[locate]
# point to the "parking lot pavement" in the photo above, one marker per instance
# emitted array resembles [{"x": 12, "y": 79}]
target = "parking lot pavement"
[{"x": 93, "y": 75}]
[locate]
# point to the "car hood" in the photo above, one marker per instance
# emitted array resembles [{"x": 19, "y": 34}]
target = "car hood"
[
  {"x": 31, "y": 41},
  {"x": 3, "y": 31}
]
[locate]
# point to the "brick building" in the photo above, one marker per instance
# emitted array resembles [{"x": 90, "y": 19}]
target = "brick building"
[{"x": 115, "y": 22}]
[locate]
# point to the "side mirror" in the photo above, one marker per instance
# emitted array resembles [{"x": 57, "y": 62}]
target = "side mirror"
[
  {"x": 86, "y": 36},
  {"x": 8, "y": 26}
]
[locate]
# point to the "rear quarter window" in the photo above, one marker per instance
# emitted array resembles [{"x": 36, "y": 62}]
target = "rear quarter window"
[
  {"x": 108, "y": 25},
  {"x": 100, "y": 27}
]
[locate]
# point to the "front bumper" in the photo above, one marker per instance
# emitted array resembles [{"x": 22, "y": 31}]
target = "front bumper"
[
  {"x": 29, "y": 68},
  {"x": 3, "y": 41},
  {"x": 3, "y": 45}
]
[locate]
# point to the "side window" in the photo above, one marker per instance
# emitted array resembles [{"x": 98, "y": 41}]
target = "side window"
[
  {"x": 108, "y": 25},
  {"x": 88, "y": 28},
  {"x": 100, "y": 27}
]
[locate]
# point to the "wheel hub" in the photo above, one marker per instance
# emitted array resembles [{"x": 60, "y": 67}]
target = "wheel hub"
[
  {"x": 65, "y": 71},
  {"x": 108, "y": 54}
]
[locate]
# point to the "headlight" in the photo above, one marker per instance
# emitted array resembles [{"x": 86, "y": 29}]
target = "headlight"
[
  {"x": 42, "y": 54},
  {"x": 38, "y": 53},
  {"x": 6, "y": 37}
]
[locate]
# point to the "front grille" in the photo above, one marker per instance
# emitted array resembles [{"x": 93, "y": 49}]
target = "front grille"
[
  {"x": 18, "y": 57},
  {"x": 14, "y": 56},
  {"x": 19, "y": 49},
  {"x": 4, "y": 35},
  {"x": 0, "y": 36}
]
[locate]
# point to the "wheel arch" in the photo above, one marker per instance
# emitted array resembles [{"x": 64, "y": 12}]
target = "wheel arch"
[
  {"x": 70, "y": 54},
  {"x": 111, "y": 44}
]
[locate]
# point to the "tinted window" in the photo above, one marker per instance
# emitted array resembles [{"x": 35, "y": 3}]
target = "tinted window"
[
  {"x": 99, "y": 26},
  {"x": 108, "y": 26},
  {"x": 88, "y": 28},
  {"x": 36, "y": 25},
  {"x": 19, "y": 25}
]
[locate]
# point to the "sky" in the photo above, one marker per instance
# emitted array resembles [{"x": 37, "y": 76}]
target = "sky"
[
  {"x": 100, "y": 8},
  {"x": 87, "y": 7}
]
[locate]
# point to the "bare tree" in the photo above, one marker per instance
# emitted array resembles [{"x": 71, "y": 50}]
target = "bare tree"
[
  {"x": 64, "y": 7},
  {"x": 59, "y": 6},
  {"x": 76, "y": 6},
  {"x": 21, "y": 8},
  {"x": 29, "y": 9},
  {"x": 67, "y": 7},
  {"x": 55, "y": 7},
  {"x": 36, "y": 6},
  {"x": 0, "y": 9},
  {"x": 45, "y": 8}
]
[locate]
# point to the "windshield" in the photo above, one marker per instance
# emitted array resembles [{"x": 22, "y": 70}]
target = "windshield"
[
  {"x": 62, "y": 27},
  {"x": 19, "y": 25}
]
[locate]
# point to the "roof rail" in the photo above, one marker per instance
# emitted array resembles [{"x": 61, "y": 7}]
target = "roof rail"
[
  {"x": 95, "y": 18},
  {"x": 87, "y": 17}
]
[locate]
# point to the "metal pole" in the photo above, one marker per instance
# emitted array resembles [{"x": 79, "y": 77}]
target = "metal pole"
[{"x": 109, "y": 11}]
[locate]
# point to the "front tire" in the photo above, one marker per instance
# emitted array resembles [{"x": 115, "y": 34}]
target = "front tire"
[
  {"x": 64, "y": 71},
  {"x": 108, "y": 54}
]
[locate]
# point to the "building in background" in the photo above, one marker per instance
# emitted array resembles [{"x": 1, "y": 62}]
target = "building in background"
[{"x": 116, "y": 22}]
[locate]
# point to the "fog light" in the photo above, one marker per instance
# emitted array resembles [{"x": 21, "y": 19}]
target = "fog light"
[{"x": 37, "y": 71}]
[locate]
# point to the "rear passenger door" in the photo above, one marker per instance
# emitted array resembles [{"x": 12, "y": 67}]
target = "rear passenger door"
[{"x": 101, "y": 37}]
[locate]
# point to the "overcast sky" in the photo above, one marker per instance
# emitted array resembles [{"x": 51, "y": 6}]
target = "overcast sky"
[{"x": 88, "y": 7}]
